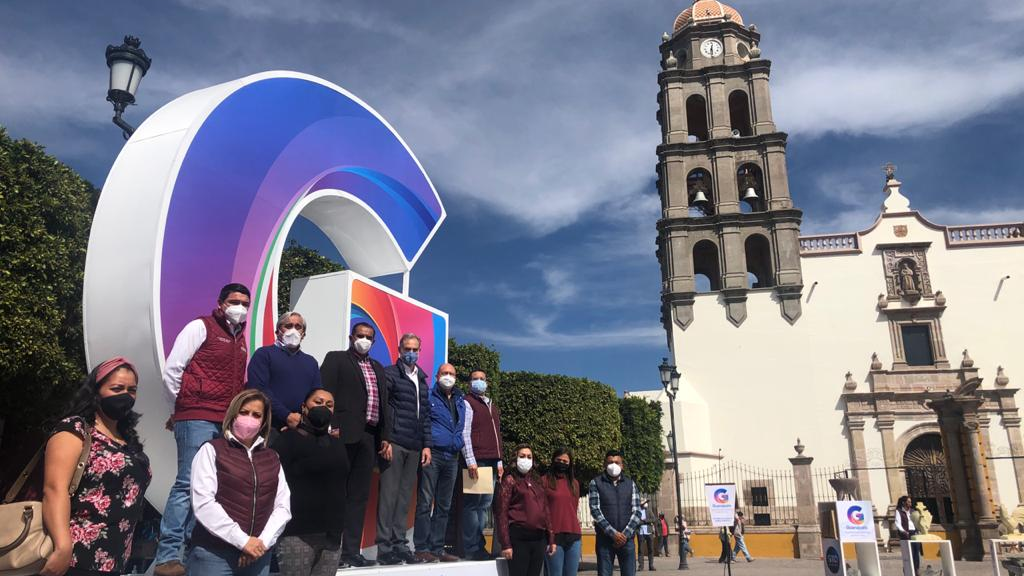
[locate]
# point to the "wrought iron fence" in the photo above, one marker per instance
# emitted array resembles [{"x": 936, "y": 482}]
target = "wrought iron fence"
[
  {"x": 823, "y": 491},
  {"x": 767, "y": 497}
]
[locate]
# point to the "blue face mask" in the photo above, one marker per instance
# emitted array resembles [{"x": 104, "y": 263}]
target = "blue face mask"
[
  {"x": 478, "y": 386},
  {"x": 410, "y": 358}
]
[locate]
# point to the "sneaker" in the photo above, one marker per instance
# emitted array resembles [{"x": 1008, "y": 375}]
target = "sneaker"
[
  {"x": 446, "y": 557},
  {"x": 388, "y": 559},
  {"x": 426, "y": 557},
  {"x": 172, "y": 568},
  {"x": 750, "y": 559},
  {"x": 358, "y": 561},
  {"x": 407, "y": 557}
]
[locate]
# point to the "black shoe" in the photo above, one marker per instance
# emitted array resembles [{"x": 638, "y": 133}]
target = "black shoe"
[
  {"x": 358, "y": 561},
  {"x": 342, "y": 564},
  {"x": 388, "y": 559},
  {"x": 407, "y": 557}
]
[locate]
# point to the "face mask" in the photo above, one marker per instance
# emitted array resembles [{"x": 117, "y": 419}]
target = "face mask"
[
  {"x": 362, "y": 345},
  {"x": 613, "y": 470},
  {"x": 117, "y": 407},
  {"x": 478, "y": 386},
  {"x": 236, "y": 314},
  {"x": 524, "y": 464},
  {"x": 410, "y": 358},
  {"x": 446, "y": 381},
  {"x": 319, "y": 417},
  {"x": 291, "y": 338},
  {"x": 560, "y": 467},
  {"x": 245, "y": 427}
]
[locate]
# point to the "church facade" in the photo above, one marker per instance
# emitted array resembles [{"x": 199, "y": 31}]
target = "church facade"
[{"x": 849, "y": 341}]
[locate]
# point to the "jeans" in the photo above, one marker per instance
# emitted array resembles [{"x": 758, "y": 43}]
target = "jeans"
[
  {"x": 741, "y": 546},
  {"x": 434, "y": 502},
  {"x": 664, "y": 545},
  {"x": 223, "y": 562},
  {"x": 566, "y": 560},
  {"x": 178, "y": 520},
  {"x": 475, "y": 507},
  {"x": 644, "y": 540},
  {"x": 397, "y": 482},
  {"x": 607, "y": 553}
]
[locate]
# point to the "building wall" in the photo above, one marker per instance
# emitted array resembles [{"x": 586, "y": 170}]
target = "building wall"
[{"x": 767, "y": 382}]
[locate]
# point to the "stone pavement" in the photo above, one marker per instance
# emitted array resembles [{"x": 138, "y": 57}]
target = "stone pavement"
[{"x": 783, "y": 567}]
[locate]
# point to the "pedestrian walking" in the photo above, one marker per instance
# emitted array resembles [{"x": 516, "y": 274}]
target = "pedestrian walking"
[
  {"x": 563, "y": 494},
  {"x": 739, "y": 525},
  {"x": 663, "y": 533}
]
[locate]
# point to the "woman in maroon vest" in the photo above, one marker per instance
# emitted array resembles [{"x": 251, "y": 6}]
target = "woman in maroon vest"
[
  {"x": 239, "y": 494},
  {"x": 522, "y": 523}
]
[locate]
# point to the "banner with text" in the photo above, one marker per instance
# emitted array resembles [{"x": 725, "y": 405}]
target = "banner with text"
[
  {"x": 856, "y": 522},
  {"x": 721, "y": 503}
]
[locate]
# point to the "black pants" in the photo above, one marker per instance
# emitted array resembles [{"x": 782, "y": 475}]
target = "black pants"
[
  {"x": 362, "y": 455},
  {"x": 915, "y": 555},
  {"x": 528, "y": 549},
  {"x": 641, "y": 541},
  {"x": 726, "y": 548}
]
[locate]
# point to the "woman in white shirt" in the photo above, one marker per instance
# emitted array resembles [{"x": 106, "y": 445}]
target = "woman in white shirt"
[{"x": 239, "y": 494}]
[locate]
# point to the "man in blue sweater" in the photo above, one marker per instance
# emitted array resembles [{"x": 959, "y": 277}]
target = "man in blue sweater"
[{"x": 285, "y": 373}]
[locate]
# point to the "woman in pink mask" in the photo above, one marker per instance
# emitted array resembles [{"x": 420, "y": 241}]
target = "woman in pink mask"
[{"x": 239, "y": 494}]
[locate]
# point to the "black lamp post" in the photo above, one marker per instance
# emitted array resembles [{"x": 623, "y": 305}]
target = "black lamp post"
[
  {"x": 670, "y": 382},
  {"x": 128, "y": 64}
]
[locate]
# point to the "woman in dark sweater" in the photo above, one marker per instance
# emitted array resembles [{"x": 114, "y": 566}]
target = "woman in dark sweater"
[
  {"x": 315, "y": 464},
  {"x": 563, "y": 494},
  {"x": 523, "y": 524}
]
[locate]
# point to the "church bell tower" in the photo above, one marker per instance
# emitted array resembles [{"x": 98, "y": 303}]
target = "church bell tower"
[{"x": 728, "y": 224}]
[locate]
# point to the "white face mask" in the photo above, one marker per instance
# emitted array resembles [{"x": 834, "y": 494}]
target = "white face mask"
[
  {"x": 236, "y": 314},
  {"x": 613, "y": 470},
  {"x": 524, "y": 464},
  {"x": 291, "y": 338},
  {"x": 362, "y": 345},
  {"x": 446, "y": 381}
]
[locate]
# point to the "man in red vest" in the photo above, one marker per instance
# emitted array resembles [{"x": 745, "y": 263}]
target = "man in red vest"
[
  {"x": 203, "y": 372},
  {"x": 483, "y": 448}
]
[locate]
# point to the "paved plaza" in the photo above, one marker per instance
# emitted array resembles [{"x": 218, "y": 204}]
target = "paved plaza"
[{"x": 786, "y": 567}]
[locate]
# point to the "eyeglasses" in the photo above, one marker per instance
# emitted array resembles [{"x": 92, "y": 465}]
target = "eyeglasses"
[{"x": 296, "y": 325}]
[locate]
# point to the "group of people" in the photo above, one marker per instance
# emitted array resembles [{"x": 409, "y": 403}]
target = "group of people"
[
  {"x": 739, "y": 543},
  {"x": 277, "y": 453}
]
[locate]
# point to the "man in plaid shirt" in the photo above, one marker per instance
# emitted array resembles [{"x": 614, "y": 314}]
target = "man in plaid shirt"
[{"x": 615, "y": 507}]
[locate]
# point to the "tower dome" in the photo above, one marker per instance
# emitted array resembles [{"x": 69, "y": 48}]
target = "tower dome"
[{"x": 707, "y": 11}]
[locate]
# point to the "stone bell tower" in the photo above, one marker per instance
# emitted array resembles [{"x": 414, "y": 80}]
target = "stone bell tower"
[{"x": 728, "y": 225}]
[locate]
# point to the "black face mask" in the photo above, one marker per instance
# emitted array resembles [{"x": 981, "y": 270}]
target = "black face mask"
[
  {"x": 560, "y": 467},
  {"x": 117, "y": 407},
  {"x": 319, "y": 417}
]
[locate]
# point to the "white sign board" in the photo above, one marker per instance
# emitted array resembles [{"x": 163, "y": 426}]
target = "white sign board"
[
  {"x": 856, "y": 522},
  {"x": 721, "y": 503}
]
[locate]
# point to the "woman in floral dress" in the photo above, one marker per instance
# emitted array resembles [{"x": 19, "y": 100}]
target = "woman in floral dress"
[{"x": 92, "y": 529}]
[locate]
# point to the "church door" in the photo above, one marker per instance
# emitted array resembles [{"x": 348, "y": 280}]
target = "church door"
[{"x": 927, "y": 479}]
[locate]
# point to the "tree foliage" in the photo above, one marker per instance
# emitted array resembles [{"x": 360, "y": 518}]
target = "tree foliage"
[
  {"x": 45, "y": 215},
  {"x": 469, "y": 357},
  {"x": 641, "y": 442},
  {"x": 298, "y": 261},
  {"x": 549, "y": 410}
]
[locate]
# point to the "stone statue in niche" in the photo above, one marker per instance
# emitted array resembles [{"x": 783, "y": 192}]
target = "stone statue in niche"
[
  {"x": 906, "y": 273},
  {"x": 907, "y": 284}
]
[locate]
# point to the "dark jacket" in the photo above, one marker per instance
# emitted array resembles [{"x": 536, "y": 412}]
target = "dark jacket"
[
  {"x": 409, "y": 407},
  {"x": 341, "y": 376},
  {"x": 445, "y": 432},
  {"x": 486, "y": 432},
  {"x": 316, "y": 467},
  {"x": 246, "y": 489},
  {"x": 215, "y": 374},
  {"x": 616, "y": 503},
  {"x": 285, "y": 376}
]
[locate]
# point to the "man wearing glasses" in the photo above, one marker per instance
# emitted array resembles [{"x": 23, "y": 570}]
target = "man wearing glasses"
[
  {"x": 359, "y": 385},
  {"x": 284, "y": 372},
  {"x": 409, "y": 408}
]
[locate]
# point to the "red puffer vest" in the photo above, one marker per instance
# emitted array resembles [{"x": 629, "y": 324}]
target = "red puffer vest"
[
  {"x": 215, "y": 373},
  {"x": 486, "y": 433},
  {"x": 246, "y": 489}
]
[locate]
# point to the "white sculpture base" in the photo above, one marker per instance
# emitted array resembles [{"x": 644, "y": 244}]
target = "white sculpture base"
[{"x": 945, "y": 556}]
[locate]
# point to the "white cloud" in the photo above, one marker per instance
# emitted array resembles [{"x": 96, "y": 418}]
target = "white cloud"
[{"x": 538, "y": 334}]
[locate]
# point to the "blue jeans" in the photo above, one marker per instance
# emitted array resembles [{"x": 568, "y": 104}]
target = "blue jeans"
[
  {"x": 223, "y": 562},
  {"x": 741, "y": 546},
  {"x": 607, "y": 553},
  {"x": 565, "y": 561},
  {"x": 434, "y": 502},
  {"x": 178, "y": 521}
]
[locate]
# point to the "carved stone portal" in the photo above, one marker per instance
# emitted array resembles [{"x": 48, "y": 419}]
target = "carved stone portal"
[{"x": 906, "y": 273}]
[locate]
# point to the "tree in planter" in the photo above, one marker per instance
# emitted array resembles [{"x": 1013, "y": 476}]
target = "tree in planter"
[
  {"x": 641, "y": 442},
  {"x": 551, "y": 410},
  {"x": 45, "y": 214},
  {"x": 297, "y": 261}
]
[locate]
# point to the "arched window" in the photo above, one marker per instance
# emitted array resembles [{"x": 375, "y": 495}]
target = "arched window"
[
  {"x": 750, "y": 181},
  {"x": 759, "y": 262},
  {"x": 706, "y": 274},
  {"x": 697, "y": 117},
  {"x": 700, "y": 194},
  {"x": 739, "y": 113}
]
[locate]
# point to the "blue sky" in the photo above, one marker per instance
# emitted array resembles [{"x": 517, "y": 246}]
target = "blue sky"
[{"x": 535, "y": 120}]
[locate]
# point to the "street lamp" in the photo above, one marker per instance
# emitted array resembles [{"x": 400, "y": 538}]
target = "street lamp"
[
  {"x": 128, "y": 64},
  {"x": 670, "y": 382}
]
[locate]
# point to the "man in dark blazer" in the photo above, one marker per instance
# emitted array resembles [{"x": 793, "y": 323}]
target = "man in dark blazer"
[{"x": 360, "y": 387}]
